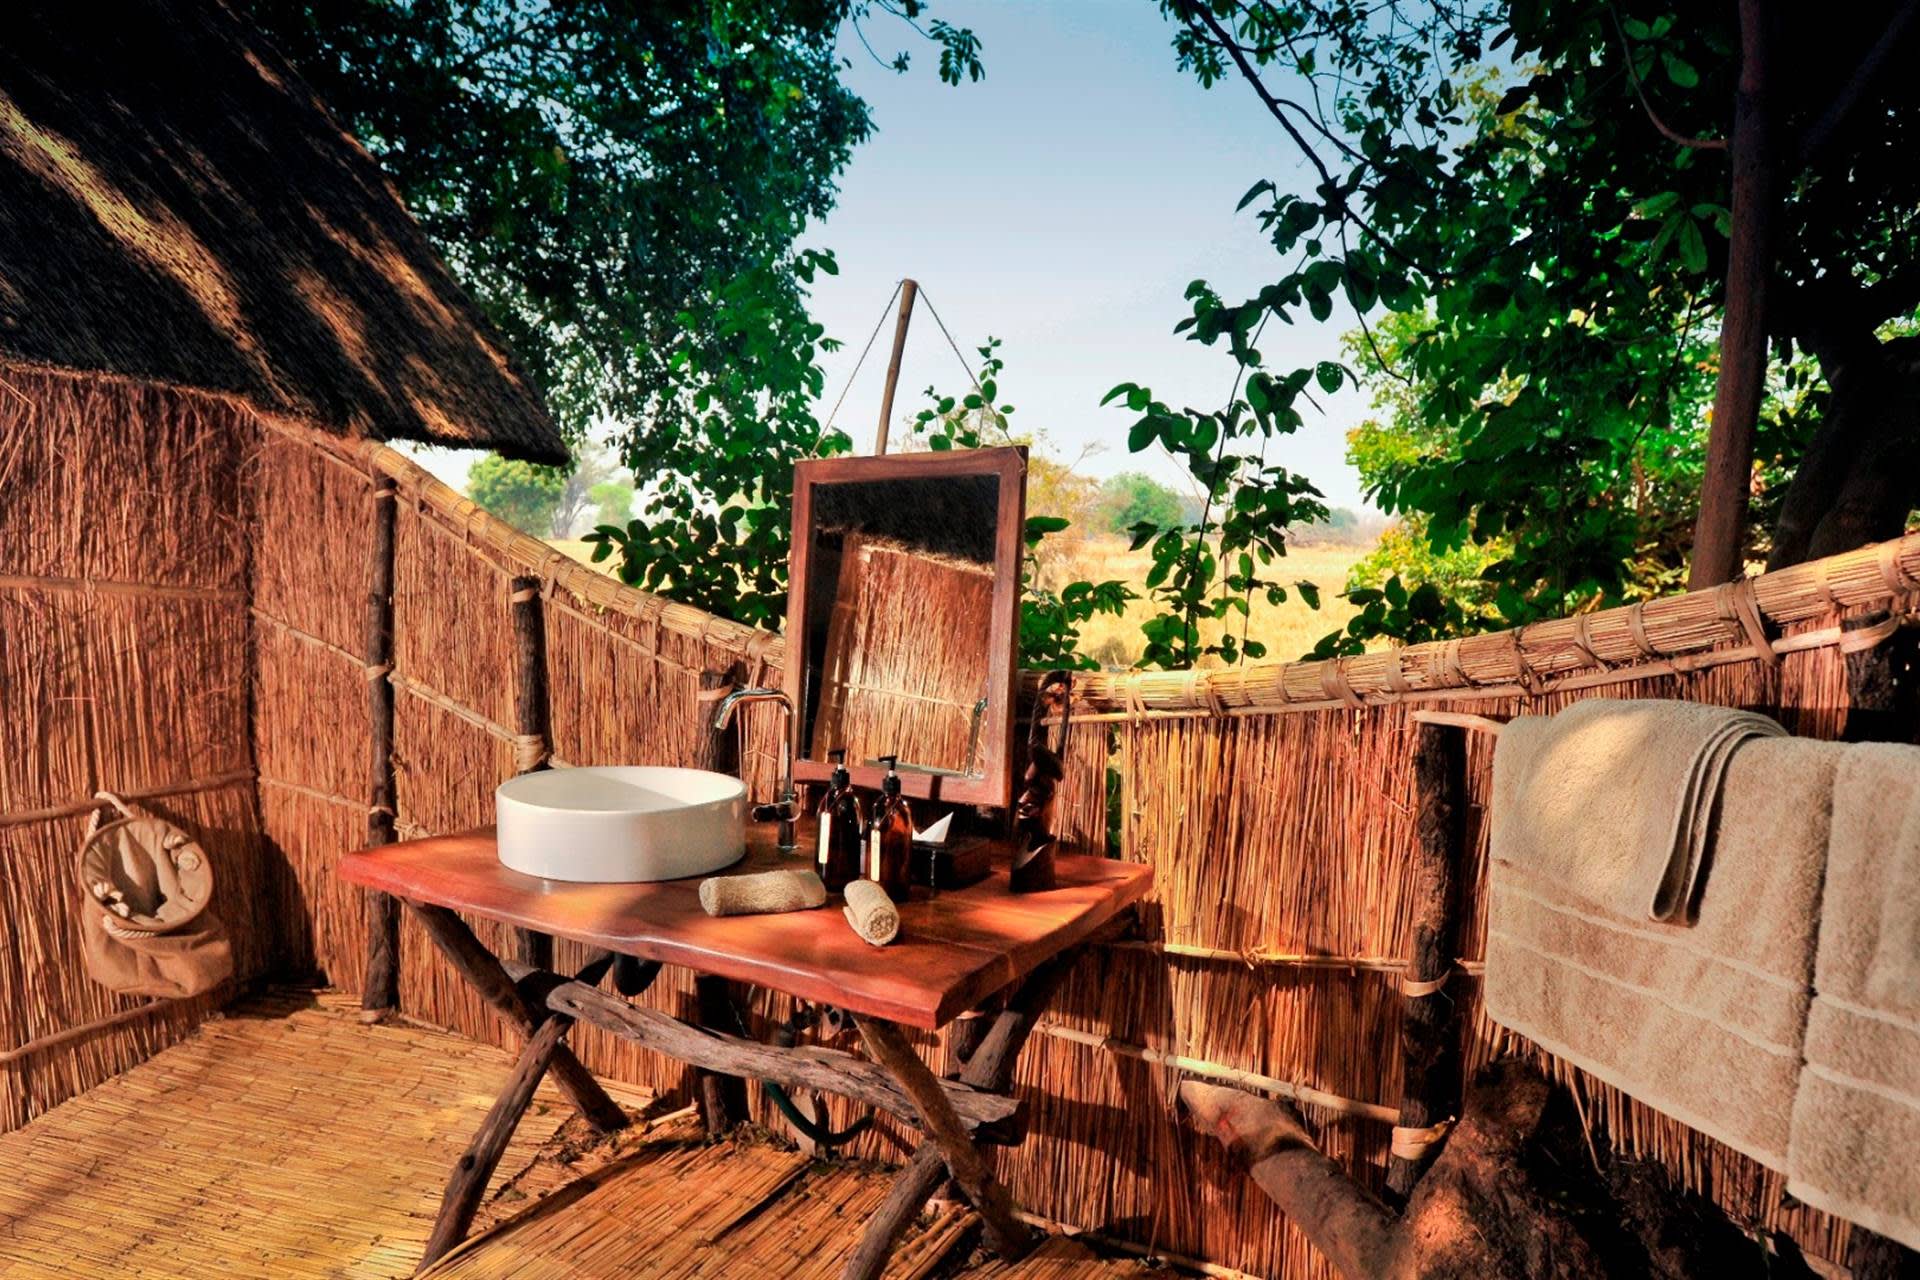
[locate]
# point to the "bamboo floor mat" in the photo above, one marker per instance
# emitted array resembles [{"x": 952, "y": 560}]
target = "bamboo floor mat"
[
  {"x": 284, "y": 1140},
  {"x": 288, "y": 1139}
]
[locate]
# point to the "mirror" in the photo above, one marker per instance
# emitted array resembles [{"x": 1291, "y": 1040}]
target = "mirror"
[{"x": 902, "y": 615}]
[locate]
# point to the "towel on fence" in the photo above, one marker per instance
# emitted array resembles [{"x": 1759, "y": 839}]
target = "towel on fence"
[
  {"x": 762, "y": 892},
  {"x": 872, "y": 913},
  {"x": 1617, "y": 797},
  {"x": 1702, "y": 1022},
  {"x": 1855, "y": 1148}
]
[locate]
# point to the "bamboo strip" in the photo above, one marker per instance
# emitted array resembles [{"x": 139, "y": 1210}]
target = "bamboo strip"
[
  {"x": 314, "y": 793},
  {"x": 307, "y": 637},
  {"x": 77, "y": 808},
  {"x": 107, "y": 587},
  {"x": 1215, "y": 1071},
  {"x": 86, "y": 1029},
  {"x": 459, "y": 710}
]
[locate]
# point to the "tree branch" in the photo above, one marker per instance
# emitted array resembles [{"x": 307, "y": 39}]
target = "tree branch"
[{"x": 1640, "y": 92}]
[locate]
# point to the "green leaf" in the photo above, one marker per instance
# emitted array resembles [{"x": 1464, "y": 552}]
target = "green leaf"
[{"x": 1679, "y": 70}]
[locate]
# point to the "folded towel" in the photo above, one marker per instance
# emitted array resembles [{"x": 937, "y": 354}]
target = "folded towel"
[
  {"x": 1611, "y": 800},
  {"x": 1703, "y": 1022},
  {"x": 1855, "y": 1147},
  {"x": 872, "y": 913},
  {"x": 763, "y": 892}
]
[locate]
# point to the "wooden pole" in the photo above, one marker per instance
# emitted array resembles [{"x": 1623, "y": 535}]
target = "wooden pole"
[
  {"x": 909, "y": 290},
  {"x": 1429, "y": 1045},
  {"x": 722, "y": 1099},
  {"x": 533, "y": 721},
  {"x": 1883, "y": 691},
  {"x": 381, "y": 991}
]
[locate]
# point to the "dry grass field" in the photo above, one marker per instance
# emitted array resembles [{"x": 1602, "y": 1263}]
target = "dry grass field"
[{"x": 1288, "y": 630}]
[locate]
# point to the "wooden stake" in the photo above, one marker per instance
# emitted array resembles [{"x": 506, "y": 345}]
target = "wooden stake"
[
  {"x": 1429, "y": 1046},
  {"x": 887, "y": 1045},
  {"x": 909, "y": 290},
  {"x": 381, "y": 991},
  {"x": 532, "y": 720},
  {"x": 722, "y": 1097}
]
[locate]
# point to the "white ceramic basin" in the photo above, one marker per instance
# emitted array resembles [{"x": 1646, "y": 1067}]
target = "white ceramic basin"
[{"x": 621, "y": 823}]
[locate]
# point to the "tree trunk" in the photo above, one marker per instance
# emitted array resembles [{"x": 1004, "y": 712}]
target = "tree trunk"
[
  {"x": 1719, "y": 534},
  {"x": 1860, "y": 475}
]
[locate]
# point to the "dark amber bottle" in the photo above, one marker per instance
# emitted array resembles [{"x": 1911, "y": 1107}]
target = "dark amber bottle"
[
  {"x": 841, "y": 828},
  {"x": 890, "y": 837}
]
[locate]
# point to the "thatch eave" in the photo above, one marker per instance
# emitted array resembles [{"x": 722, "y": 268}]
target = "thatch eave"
[{"x": 178, "y": 207}]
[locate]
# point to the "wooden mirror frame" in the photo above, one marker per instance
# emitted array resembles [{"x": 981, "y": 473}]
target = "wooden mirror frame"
[{"x": 1008, "y": 466}]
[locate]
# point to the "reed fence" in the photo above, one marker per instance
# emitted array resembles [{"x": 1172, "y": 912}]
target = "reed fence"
[{"x": 1278, "y": 803}]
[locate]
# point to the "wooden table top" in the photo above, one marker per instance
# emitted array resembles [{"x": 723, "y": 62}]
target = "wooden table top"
[{"x": 954, "y": 949}]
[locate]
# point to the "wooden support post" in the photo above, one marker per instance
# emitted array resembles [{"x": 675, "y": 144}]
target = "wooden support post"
[
  {"x": 468, "y": 1182},
  {"x": 720, "y": 748},
  {"x": 1883, "y": 705},
  {"x": 380, "y": 992},
  {"x": 989, "y": 1065},
  {"x": 909, "y": 290},
  {"x": 722, "y": 1097},
  {"x": 1429, "y": 1043},
  {"x": 533, "y": 720},
  {"x": 485, "y": 974},
  {"x": 1007, "y": 1236}
]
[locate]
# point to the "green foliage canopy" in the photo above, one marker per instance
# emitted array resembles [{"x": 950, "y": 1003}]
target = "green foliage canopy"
[{"x": 523, "y": 494}]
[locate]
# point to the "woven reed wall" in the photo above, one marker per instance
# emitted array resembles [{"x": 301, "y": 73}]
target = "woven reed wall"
[
  {"x": 123, "y": 658},
  {"x": 1272, "y": 835},
  {"x": 1275, "y": 804}
]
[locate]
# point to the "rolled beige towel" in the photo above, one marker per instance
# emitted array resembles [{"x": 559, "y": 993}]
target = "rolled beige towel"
[
  {"x": 761, "y": 893},
  {"x": 872, "y": 913}
]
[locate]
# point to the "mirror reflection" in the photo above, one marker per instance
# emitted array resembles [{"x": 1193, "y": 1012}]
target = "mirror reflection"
[{"x": 900, "y": 577}]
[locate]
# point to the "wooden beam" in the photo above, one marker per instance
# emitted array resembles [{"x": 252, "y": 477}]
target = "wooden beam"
[
  {"x": 533, "y": 725},
  {"x": 994, "y": 1117},
  {"x": 381, "y": 990},
  {"x": 485, "y": 974},
  {"x": 1429, "y": 1043},
  {"x": 1007, "y": 1236}
]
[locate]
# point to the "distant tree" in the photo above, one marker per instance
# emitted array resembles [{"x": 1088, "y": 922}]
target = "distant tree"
[
  {"x": 623, "y": 187},
  {"x": 1132, "y": 498},
  {"x": 612, "y": 501},
  {"x": 526, "y": 496}
]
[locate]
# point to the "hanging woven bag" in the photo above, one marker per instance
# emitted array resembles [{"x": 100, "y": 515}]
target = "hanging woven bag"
[{"x": 145, "y": 927}]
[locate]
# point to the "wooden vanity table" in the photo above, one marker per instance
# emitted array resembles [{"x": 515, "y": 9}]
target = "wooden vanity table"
[{"x": 963, "y": 949}]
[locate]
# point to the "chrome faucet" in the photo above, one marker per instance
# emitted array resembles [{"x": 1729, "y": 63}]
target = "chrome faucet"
[{"x": 786, "y": 810}]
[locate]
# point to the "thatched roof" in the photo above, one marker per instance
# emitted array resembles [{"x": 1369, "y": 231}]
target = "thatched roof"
[{"x": 177, "y": 205}]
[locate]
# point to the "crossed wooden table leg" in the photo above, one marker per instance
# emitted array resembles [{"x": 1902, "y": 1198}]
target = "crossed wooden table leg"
[{"x": 957, "y": 1116}]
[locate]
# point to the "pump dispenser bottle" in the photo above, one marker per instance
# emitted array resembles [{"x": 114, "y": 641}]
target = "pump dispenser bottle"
[
  {"x": 890, "y": 837},
  {"x": 841, "y": 824}
]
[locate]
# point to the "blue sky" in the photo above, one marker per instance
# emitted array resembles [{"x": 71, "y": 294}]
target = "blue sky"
[{"x": 1061, "y": 204}]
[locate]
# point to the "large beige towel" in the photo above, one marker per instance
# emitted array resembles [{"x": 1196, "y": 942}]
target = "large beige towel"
[
  {"x": 1855, "y": 1148},
  {"x": 1612, "y": 800},
  {"x": 1704, "y": 1022}
]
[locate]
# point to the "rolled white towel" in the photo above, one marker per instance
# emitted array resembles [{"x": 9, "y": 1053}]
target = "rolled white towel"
[
  {"x": 762, "y": 893},
  {"x": 872, "y": 913}
]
